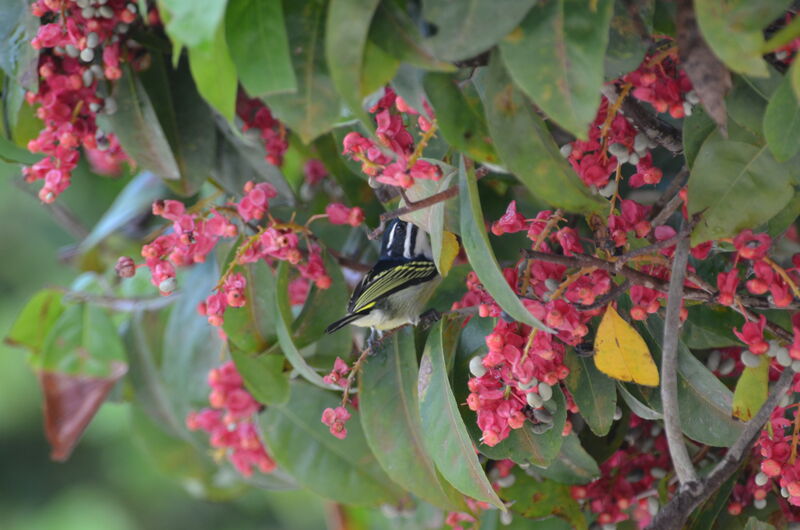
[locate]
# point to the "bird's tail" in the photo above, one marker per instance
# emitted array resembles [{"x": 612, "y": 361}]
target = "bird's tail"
[{"x": 342, "y": 322}]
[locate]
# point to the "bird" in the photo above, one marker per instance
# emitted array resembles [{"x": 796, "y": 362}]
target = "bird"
[{"x": 394, "y": 292}]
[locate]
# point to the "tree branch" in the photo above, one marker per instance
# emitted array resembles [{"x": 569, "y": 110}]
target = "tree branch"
[
  {"x": 669, "y": 369},
  {"x": 449, "y": 193},
  {"x": 678, "y": 509},
  {"x": 646, "y": 122}
]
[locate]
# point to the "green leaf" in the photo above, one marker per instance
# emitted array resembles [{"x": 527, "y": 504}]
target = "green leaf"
[
  {"x": 345, "y": 41},
  {"x": 710, "y": 327},
  {"x": 465, "y": 29},
  {"x": 137, "y": 127},
  {"x": 696, "y": 129},
  {"x": 191, "y": 22},
  {"x": 215, "y": 73},
  {"x": 315, "y": 108},
  {"x": 35, "y": 320},
  {"x": 794, "y": 75},
  {"x": 185, "y": 118},
  {"x": 460, "y": 116},
  {"x": 252, "y": 328},
  {"x": 526, "y": 147},
  {"x": 755, "y": 524},
  {"x": 322, "y": 307},
  {"x": 83, "y": 341},
  {"x": 263, "y": 376},
  {"x": 19, "y": 60},
  {"x": 556, "y": 57},
  {"x": 594, "y": 392},
  {"x": 733, "y": 29},
  {"x": 390, "y": 416},
  {"x": 259, "y": 46},
  {"x": 573, "y": 465},
  {"x": 746, "y": 105},
  {"x": 445, "y": 434},
  {"x": 705, "y": 516},
  {"x": 751, "y": 390},
  {"x": 735, "y": 186},
  {"x": 134, "y": 200},
  {"x": 283, "y": 322},
  {"x": 12, "y": 153},
  {"x": 626, "y": 48},
  {"x": 378, "y": 69},
  {"x": 535, "y": 499},
  {"x": 341, "y": 470},
  {"x": 778, "y": 225},
  {"x": 782, "y": 122},
  {"x": 479, "y": 252}
]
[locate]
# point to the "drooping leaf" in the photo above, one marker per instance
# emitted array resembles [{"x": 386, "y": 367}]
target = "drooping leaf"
[
  {"x": 35, "y": 320},
  {"x": 134, "y": 200},
  {"x": 445, "y": 435},
  {"x": 573, "y": 465},
  {"x": 259, "y": 47},
  {"x": 342, "y": 470},
  {"x": 346, "y": 33},
  {"x": 620, "y": 352},
  {"x": 734, "y": 30},
  {"x": 594, "y": 392},
  {"x": 556, "y": 57},
  {"x": 137, "y": 127},
  {"x": 390, "y": 416},
  {"x": 479, "y": 252},
  {"x": 316, "y": 106},
  {"x": 461, "y": 30},
  {"x": 782, "y": 122},
  {"x": 460, "y": 116},
  {"x": 215, "y": 73},
  {"x": 378, "y": 69},
  {"x": 526, "y": 147},
  {"x": 263, "y": 376},
  {"x": 735, "y": 185},
  {"x": 12, "y": 153},
  {"x": 283, "y": 322},
  {"x": 252, "y": 328},
  {"x": 751, "y": 390},
  {"x": 322, "y": 307},
  {"x": 535, "y": 499},
  {"x": 191, "y": 22}
]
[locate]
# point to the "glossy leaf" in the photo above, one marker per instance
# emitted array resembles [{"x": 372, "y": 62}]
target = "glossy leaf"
[
  {"x": 476, "y": 244},
  {"x": 445, "y": 435},
  {"x": 535, "y": 499},
  {"x": 133, "y": 201},
  {"x": 259, "y": 46},
  {"x": 594, "y": 392},
  {"x": 390, "y": 415},
  {"x": 556, "y": 57},
  {"x": 735, "y": 186},
  {"x": 626, "y": 48},
  {"x": 346, "y": 33},
  {"x": 252, "y": 328},
  {"x": 315, "y": 108},
  {"x": 215, "y": 73},
  {"x": 460, "y": 116},
  {"x": 734, "y": 30},
  {"x": 191, "y": 22},
  {"x": 341, "y": 470},
  {"x": 526, "y": 147},
  {"x": 751, "y": 390},
  {"x": 573, "y": 465},
  {"x": 710, "y": 327},
  {"x": 263, "y": 376},
  {"x": 462, "y": 29},
  {"x": 621, "y": 353},
  {"x": 782, "y": 122},
  {"x": 35, "y": 320},
  {"x": 283, "y": 322},
  {"x": 136, "y": 125}
]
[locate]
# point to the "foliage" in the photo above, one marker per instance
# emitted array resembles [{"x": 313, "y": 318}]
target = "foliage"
[{"x": 259, "y": 140}]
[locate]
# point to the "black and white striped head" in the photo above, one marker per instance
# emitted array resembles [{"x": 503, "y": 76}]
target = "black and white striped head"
[{"x": 404, "y": 240}]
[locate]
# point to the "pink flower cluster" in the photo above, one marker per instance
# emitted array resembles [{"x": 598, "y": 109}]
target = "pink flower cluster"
[
  {"x": 230, "y": 422},
  {"x": 630, "y": 472},
  {"x": 389, "y": 160},
  {"x": 338, "y": 375},
  {"x": 660, "y": 82},
  {"x": 79, "y": 48},
  {"x": 339, "y": 214},
  {"x": 336, "y": 419},
  {"x": 257, "y": 116}
]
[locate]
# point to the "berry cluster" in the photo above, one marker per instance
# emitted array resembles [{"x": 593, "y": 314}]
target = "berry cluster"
[
  {"x": 660, "y": 82},
  {"x": 80, "y": 47},
  {"x": 230, "y": 422},
  {"x": 394, "y": 160},
  {"x": 257, "y": 117}
]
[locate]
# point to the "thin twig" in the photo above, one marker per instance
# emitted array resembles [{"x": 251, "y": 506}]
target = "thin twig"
[
  {"x": 603, "y": 301},
  {"x": 646, "y": 122},
  {"x": 669, "y": 194},
  {"x": 655, "y": 247},
  {"x": 687, "y": 476},
  {"x": 449, "y": 193}
]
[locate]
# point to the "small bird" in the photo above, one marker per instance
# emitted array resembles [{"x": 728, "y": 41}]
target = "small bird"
[{"x": 395, "y": 291}]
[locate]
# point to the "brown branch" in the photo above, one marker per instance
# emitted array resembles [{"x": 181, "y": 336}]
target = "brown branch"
[
  {"x": 603, "y": 300},
  {"x": 348, "y": 262},
  {"x": 436, "y": 198},
  {"x": 657, "y": 130},
  {"x": 655, "y": 247},
  {"x": 670, "y": 200}
]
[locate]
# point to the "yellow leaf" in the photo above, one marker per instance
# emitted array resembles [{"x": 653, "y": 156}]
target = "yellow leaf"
[
  {"x": 450, "y": 250},
  {"x": 751, "y": 390},
  {"x": 621, "y": 353}
]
